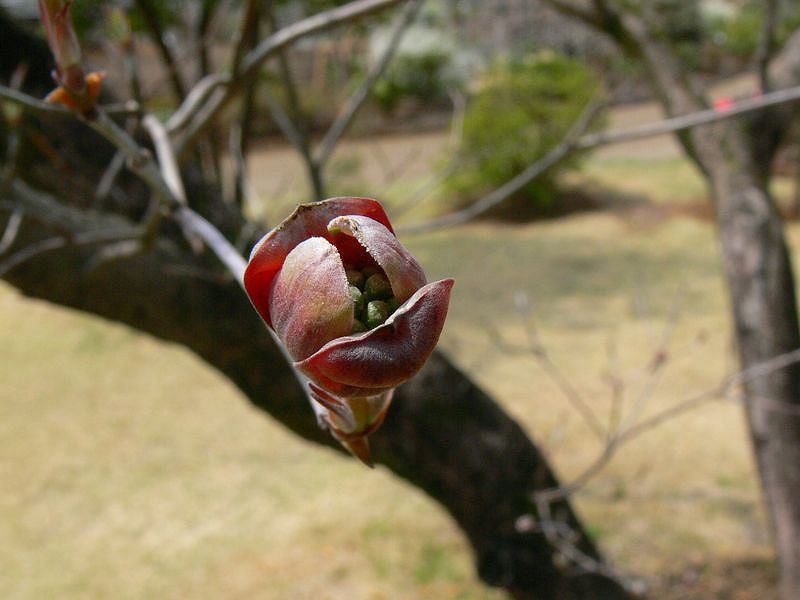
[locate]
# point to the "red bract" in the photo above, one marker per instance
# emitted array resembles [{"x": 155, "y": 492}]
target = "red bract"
[{"x": 303, "y": 279}]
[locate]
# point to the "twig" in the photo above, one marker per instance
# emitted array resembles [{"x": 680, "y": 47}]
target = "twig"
[
  {"x": 539, "y": 352},
  {"x": 674, "y": 124},
  {"x": 206, "y": 15},
  {"x": 593, "y": 140},
  {"x": 251, "y": 64},
  {"x": 356, "y": 101},
  {"x": 439, "y": 177},
  {"x": 299, "y": 136},
  {"x": 166, "y": 157},
  {"x": 563, "y": 537},
  {"x": 656, "y": 366},
  {"x": 766, "y": 42},
  {"x": 154, "y": 25},
  {"x": 196, "y": 97},
  {"x": 222, "y": 248},
  {"x": 516, "y": 183},
  {"x": 30, "y": 251},
  {"x": 720, "y": 391},
  {"x": 106, "y": 182},
  {"x": 11, "y": 230},
  {"x": 40, "y": 247}
]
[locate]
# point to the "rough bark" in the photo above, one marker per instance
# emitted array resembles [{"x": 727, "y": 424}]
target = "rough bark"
[{"x": 735, "y": 158}]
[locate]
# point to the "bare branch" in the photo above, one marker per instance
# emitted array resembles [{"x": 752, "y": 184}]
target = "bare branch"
[
  {"x": 348, "y": 113},
  {"x": 153, "y": 22},
  {"x": 683, "y": 122},
  {"x": 166, "y": 157},
  {"x": 196, "y": 97},
  {"x": 716, "y": 393},
  {"x": 31, "y": 251},
  {"x": 515, "y": 184},
  {"x": 252, "y": 63},
  {"x": 109, "y": 176},
  {"x": 139, "y": 159},
  {"x": 766, "y": 42},
  {"x": 292, "y": 96},
  {"x": 11, "y": 230},
  {"x": 206, "y": 15},
  {"x": 593, "y": 140},
  {"x": 285, "y": 123}
]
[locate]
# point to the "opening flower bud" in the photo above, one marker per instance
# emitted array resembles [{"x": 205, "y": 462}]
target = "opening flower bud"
[
  {"x": 377, "y": 313},
  {"x": 377, "y": 287},
  {"x": 355, "y": 277},
  {"x": 334, "y": 269}
]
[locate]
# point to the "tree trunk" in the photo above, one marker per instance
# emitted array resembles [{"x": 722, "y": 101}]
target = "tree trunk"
[{"x": 762, "y": 291}]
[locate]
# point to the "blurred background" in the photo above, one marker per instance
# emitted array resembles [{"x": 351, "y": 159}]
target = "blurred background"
[{"x": 130, "y": 469}]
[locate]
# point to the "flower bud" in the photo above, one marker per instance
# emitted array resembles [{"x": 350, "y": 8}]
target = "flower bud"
[{"x": 352, "y": 307}]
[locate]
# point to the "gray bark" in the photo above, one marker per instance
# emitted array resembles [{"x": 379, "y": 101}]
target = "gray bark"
[{"x": 735, "y": 159}]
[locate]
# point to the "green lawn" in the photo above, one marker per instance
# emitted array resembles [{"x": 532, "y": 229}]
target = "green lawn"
[{"x": 128, "y": 469}]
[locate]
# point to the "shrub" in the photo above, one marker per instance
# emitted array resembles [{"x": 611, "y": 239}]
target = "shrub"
[{"x": 520, "y": 110}]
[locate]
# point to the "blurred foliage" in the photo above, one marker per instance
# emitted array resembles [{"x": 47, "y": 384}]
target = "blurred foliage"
[
  {"x": 522, "y": 109},
  {"x": 680, "y": 23},
  {"x": 428, "y": 64},
  {"x": 737, "y": 33},
  {"x": 421, "y": 77}
]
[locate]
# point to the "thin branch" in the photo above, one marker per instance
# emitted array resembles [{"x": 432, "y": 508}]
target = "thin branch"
[
  {"x": 206, "y": 15},
  {"x": 656, "y": 366},
  {"x": 297, "y": 119},
  {"x": 11, "y": 230},
  {"x": 252, "y": 63},
  {"x": 151, "y": 18},
  {"x": 166, "y": 157},
  {"x": 766, "y": 42},
  {"x": 515, "y": 184},
  {"x": 356, "y": 101},
  {"x": 30, "y": 251},
  {"x": 674, "y": 124},
  {"x": 241, "y": 134},
  {"x": 285, "y": 123},
  {"x": 106, "y": 182},
  {"x": 593, "y": 140},
  {"x": 199, "y": 94},
  {"x": 720, "y": 391},
  {"x": 139, "y": 160},
  {"x": 222, "y": 248},
  {"x": 31, "y": 103}
]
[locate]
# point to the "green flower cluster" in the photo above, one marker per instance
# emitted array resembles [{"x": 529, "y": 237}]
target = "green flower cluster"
[{"x": 372, "y": 295}]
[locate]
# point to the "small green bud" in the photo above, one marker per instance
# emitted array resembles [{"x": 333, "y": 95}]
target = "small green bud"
[
  {"x": 355, "y": 278},
  {"x": 377, "y": 286},
  {"x": 358, "y": 298},
  {"x": 358, "y": 327},
  {"x": 368, "y": 271},
  {"x": 377, "y": 313}
]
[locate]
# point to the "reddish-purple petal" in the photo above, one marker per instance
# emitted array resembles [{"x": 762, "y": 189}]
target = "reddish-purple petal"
[
  {"x": 403, "y": 271},
  {"x": 309, "y": 301},
  {"x": 388, "y": 355},
  {"x": 308, "y": 220}
]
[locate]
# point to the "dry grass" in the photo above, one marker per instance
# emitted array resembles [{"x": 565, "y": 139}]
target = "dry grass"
[{"x": 131, "y": 470}]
